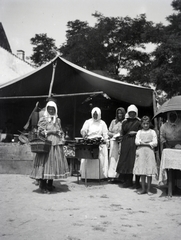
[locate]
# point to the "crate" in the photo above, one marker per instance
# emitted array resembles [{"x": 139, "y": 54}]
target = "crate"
[
  {"x": 87, "y": 151},
  {"x": 39, "y": 146}
]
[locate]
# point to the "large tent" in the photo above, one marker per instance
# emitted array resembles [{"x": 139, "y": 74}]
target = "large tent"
[{"x": 77, "y": 91}]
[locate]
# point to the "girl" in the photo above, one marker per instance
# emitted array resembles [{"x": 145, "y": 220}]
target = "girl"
[{"x": 145, "y": 163}]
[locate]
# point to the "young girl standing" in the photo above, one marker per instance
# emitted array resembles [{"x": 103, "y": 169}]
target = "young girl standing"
[{"x": 145, "y": 163}]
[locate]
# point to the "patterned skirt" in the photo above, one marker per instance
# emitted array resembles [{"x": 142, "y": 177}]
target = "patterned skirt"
[{"x": 52, "y": 165}]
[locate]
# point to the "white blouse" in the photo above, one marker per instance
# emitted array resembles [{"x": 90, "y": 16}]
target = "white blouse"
[{"x": 95, "y": 129}]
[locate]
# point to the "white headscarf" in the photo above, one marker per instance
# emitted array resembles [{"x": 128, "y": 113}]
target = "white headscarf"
[
  {"x": 98, "y": 110},
  {"x": 132, "y": 108},
  {"x": 47, "y": 115}
]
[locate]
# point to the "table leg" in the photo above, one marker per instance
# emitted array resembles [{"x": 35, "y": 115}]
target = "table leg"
[
  {"x": 71, "y": 166},
  {"x": 85, "y": 172},
  {"x": 170, "y": 182},
  {"x": 99, "y": 171}
]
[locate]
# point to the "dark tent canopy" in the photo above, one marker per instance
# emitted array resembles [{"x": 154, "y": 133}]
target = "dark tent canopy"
[{"x": 77, "y": 91}]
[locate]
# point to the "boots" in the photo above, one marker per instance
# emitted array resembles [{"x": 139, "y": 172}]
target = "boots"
[
  {"x": 42, "y": 185},
  {"x": 50, "y": 186},
  {"x": 129, "y": 181}
]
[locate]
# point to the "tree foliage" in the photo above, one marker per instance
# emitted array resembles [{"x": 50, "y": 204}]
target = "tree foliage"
[
  {"x": 166, "y": 71},
  {"x": 116, "y": 43},
  {"x": 112, "y": 44},
  {"x": 44, "y": 49}
]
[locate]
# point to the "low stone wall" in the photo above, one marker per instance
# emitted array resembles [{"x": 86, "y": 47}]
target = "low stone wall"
[{"x": 15, "y": 158}]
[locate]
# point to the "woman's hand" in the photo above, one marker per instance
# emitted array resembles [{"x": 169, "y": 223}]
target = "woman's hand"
[
  {"x": 49, "y": 132},
  {"x": 146, "y": 144},
  {"x": 110, "y": 134},
  {"x": 132, "y": 133},
  {"x": 58, "y": 132},
  {"x": 45, "y": 132},
  {"x": 84, "y": 135}
]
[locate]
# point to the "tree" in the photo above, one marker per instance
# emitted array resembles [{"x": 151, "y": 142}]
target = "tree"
[
  {"x": 75, "y": 48},
  {"x": 166, "y": 70},
  {"x": 113, "y": 43},
  {"x": 44, "y": 50}
]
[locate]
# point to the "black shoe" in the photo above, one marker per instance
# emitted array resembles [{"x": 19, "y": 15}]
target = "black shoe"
[
  {"x": 137, "y": 185},
  {"x": 127, "y": 184}
]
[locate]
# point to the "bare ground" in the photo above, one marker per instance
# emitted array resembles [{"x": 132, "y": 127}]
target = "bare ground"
[{"x": 76, "y": 212}]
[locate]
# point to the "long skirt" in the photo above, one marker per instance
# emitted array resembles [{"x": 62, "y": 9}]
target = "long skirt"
[
  {"x": 52, "y": 165},
  {"x": 127, "y": 155},
  {"x": 145, "y": 163},
  {"x": 114, "y": 152},
  {"x": 91, "y": 166}
]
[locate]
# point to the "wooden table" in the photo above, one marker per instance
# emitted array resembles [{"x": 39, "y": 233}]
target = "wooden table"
[
  {"x": 170, "y": 159},
  {"x": 87, "y": 152}
]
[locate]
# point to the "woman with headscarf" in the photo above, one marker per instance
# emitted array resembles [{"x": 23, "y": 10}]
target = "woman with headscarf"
[
  {"x": 115, "y": 135},
  {"x": 130, "y": 126},
  {"x": 51, "y": 165},
  {"x": 95, "y": 128}
]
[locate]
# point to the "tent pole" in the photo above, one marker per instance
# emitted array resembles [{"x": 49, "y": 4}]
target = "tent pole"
[
  {"x": 54, "y": 95},
  {"x": 154, "y": 110},
  {"x": 52, "y": 80},
  {"x": 75, "y": 109},
  {"x": 157, "y": 152}
]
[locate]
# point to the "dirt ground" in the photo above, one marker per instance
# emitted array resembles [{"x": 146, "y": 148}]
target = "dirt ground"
[{"x": 76, "y": 212}]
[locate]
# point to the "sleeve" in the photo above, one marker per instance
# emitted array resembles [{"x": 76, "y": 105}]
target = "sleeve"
[
  {"x": 84, "y": 129},
  {"x": 110, "y": 131},
  {"x": 123, "y": 130},
  {"x": 111, "y": 126},
  {"x": 154, "y": 141},
  {"x": 42, "y": 124},
  {"x": 162, "y": 134},
  {"x": 59, "y": 126},
  {"x": 137, "y": 139},
  {"x": 104, "y": 130}
]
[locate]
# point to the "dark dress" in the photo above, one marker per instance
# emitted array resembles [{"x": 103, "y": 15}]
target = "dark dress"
[{"x": 128, "y": 147}]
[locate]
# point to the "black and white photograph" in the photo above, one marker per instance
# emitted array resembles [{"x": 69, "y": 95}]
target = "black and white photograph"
[{"x": 90, "y": 119}]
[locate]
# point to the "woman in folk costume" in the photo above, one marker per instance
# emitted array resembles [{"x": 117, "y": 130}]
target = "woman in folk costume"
[
  {"x": 93, "y": 128},
  {"x": 51, "y": 165},
  {"x": 115, "y": 135},
  {"x": 130, "y": 126}
]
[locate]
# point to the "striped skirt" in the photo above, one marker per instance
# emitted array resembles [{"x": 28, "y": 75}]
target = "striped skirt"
[{"x": 52, "y": 165}]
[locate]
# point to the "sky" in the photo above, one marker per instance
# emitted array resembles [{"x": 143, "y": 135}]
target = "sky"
[{"x": 22, "y": 19}]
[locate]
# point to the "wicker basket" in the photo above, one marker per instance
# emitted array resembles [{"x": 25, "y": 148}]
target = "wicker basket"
[{"x": 39, "y": 146}]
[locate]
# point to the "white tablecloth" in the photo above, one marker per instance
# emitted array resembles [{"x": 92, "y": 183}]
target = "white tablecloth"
[{"x": 171, "y": 159}]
